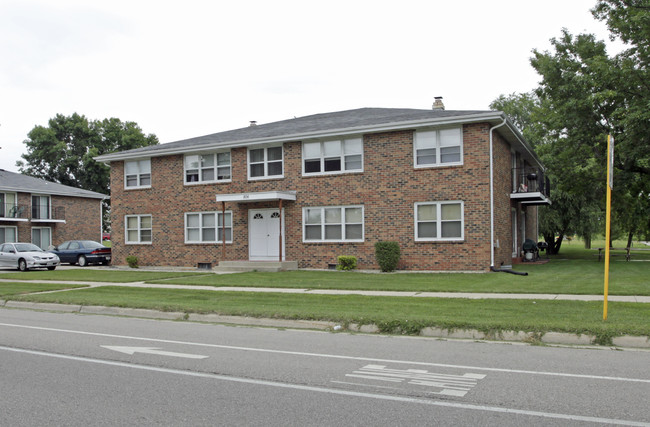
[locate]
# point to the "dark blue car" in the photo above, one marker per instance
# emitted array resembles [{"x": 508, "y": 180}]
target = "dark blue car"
[{"x": 83, "y": 252}]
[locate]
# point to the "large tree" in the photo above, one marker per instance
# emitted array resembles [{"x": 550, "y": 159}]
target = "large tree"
[
  {"x": 63, "y": 151},
  {"x": 586, "y": 94}
]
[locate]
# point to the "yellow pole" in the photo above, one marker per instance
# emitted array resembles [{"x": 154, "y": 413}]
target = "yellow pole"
[{"x": 610, "y": 183}]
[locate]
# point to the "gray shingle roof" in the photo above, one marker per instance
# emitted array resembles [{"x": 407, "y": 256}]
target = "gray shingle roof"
[
  {"x": 16, "y": 182},
  {"x": 302, "y": 126}
]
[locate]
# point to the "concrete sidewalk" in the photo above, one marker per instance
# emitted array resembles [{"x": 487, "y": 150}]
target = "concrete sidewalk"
[{"x": 467, "y": 295}]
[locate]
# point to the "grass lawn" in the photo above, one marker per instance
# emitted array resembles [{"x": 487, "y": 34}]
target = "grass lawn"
[
  {"x": 392, "y": 314},
  {"x": 92, "y": 275},
  {"x": 574, "y": 271},
  {"x": 9, "y": 290}
]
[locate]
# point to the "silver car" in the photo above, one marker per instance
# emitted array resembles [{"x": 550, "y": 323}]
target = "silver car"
[{"x": 24, "y": 256}]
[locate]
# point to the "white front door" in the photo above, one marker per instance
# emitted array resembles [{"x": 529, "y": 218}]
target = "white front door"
[{"x": 264, "y": 234}]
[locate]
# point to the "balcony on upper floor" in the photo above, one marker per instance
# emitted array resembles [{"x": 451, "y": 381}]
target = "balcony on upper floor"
[
  {"x": 46, "y": 213},
  {"x": 13, "y": 212},
  {"x": 530, "y": 186}
]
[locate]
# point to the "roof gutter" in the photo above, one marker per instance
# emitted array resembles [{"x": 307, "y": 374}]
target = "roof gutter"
[{"x": 505, "y": 120}]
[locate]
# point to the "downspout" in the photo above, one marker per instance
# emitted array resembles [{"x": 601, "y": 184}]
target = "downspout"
[{"x": 492, "y": 194}]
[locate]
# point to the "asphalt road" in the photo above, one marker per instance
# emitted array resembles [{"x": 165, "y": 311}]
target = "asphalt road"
[{"x": 72, "y": 369}]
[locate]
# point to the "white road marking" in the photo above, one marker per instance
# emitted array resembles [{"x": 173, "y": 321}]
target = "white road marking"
[
  {"x": 449, "y": 385},
  {"x": 335, "y": 356},
  {"x": 151, "y": 350},
  {"x": 339, "y": 392}
]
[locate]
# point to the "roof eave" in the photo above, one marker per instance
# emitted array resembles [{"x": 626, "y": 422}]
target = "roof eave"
[
  {"x": 52, "y": 193},
  {"x": 471, "y": 118}
]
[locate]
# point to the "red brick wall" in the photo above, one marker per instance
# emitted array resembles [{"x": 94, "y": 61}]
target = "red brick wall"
[
  {"x": 388, "y": 189},
  {"x": 82, "y": 219}
]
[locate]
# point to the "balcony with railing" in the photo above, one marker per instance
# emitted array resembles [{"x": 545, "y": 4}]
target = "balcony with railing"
[
  {"x": 530, "y": 186},
  {"x": 13, "y": 212},
  {"x": 47, "y": 213},
  {"x": 10, "y": 212}
]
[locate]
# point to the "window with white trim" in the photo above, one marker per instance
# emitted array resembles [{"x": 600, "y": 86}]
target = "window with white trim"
[
  {"x": 438, "y": 147},
  {"x": 8, "y": 234},
  {"x": 439, "y": 221},
  {"x": 265, "y": 162},
  {"x": 327, "y": 157},
  {"x": 8, "y": 205},
  {"x": 42, "y": 237},
  {"x": 213, "y": 167},
  {"x": 208, "y": 227},
  {"x": 138, "y": 229},
  {"x": 137, "y": 173},
  {"x": 333, "y": 224}
]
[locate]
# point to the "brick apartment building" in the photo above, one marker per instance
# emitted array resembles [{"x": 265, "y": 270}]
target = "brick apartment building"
[
  {"x": 46, "y": 213},
  {"x": 457, "y": 189}
]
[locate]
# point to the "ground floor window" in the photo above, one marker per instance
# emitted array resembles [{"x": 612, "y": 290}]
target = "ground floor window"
[
  {"x": 42, "y": 237},
  {"x": 439, "y": 221},
  {"x": 7, "y": 234},
  {"x": 208, "y": 227},
  {"x": 333, "y": 224},
  {"x": 138, "y": 228}
]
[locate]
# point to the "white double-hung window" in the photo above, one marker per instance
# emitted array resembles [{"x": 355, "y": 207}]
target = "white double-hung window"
[
  {"x": 265, "y": 163},
  {"x": 439, "y": 147},
  {"x": 208, "y": 227},
  {"x": 328, "y": 157},
  {"x": 439, "y": 221},
  {"x": 333, "y": 224},
  {"x": 138, "y": 229},
  {"x": 137, "y": 173},
  {"x": 204, "y": 168}
]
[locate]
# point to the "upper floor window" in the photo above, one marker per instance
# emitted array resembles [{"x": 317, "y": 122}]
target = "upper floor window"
[
  {"x": 337, "y": 224},
  {"x": 137, "y": 173},
  {"x": 8, "y": 206},
  {"x": 265, "y": 163},
  {"x": 207, "y": 167},
  {"x": 332, "y": 156},
  {"x": 208, "y": 227},
  {"x": 138, "y": 228},
  {"x": 438, "y": 147},
  {"x": 41, "y": 207},
  {"x": 439, "y": 221}
]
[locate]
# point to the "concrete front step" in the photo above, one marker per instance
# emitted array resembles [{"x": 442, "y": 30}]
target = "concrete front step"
[{"x": 271, "y": 266}]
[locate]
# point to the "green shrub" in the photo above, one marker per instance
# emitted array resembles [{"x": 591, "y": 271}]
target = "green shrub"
[
  {"x": 132, "y": 261},
  {"x": 387, "y": 255},
  {"x": 346, "y": 262}
]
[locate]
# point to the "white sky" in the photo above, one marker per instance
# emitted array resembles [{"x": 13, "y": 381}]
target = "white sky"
[{"x": 188, "y": 68}]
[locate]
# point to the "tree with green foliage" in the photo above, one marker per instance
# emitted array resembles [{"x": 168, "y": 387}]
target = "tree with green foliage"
[
  {"x": 573, "y": 211},
  {"x": 586, "y": 94},
  {"x": 63, "y": 151}
]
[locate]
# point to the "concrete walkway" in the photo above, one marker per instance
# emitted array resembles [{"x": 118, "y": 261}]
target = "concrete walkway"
[{"x": 468, "y": 295}]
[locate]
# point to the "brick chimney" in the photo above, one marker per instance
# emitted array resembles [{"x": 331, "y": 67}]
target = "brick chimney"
[{"x": 437, "y": 103}]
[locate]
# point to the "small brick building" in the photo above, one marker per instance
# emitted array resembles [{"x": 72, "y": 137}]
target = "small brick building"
[
  {"x": 457, "y": 189},
  {"x": 46, "y": 213}
]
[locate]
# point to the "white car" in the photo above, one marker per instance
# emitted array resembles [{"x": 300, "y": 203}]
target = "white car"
[{"x": 24, "y": 256}]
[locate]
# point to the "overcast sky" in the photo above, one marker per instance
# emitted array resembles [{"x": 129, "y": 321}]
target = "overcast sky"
[{"x": 188, "y": 68}]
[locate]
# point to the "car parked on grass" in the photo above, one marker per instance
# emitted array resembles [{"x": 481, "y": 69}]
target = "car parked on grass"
[
  {"x": 82, "y": 252},
  {"x": 24, "y": 256}
]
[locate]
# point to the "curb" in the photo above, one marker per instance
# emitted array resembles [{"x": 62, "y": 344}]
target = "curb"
[{"x": 555, "y": 338}]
